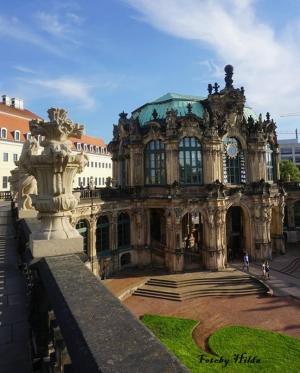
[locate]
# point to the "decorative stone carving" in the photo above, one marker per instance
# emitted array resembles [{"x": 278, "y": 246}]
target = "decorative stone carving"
[
  {"x": 54, "y": 170},
  {"x": 22, "y": 183}
]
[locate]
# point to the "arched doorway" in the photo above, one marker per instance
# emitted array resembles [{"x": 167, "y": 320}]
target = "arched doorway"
[
  {"x": 192, "y": 239},
  {"x": 102, "y": 235},
  {"x": 82, "y": 227},
  {"x": 235, "y": 233}
]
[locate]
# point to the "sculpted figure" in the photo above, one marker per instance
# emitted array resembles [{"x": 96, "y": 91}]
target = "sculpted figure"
[{"x": 22, "y": 183}]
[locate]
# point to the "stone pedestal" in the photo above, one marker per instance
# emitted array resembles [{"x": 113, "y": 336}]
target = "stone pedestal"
[{"x": 55, "y": 247}]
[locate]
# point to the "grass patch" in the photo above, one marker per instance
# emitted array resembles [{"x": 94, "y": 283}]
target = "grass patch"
[{"x": 276, "y": 352}]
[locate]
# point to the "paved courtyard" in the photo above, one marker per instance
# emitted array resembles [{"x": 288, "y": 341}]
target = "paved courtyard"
[{"x": 276, "y": 313}]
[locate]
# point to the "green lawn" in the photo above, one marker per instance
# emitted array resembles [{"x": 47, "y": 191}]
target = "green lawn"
[{"x": 273, "y": 352}]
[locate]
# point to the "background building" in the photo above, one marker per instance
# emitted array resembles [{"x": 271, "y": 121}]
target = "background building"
[
  {"x": 290, "y": 150},
  {"x": 14, "y": 131},
  {"x": 197, "y": 185}
]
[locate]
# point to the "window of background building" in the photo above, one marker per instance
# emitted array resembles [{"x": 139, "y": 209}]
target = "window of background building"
[
  {"x": 5, "y": 157},
  {"x": 15, "y": 157},
  {"x": 88, "y": 164},
  {"x": 96, "y": 164},
  {"x": 28, "y": 136},
  {"x": 79, "y": 181},
  {"x": 103, "y": 181},
  {"x": 190, "y": 161},
  {"x": 99, "y": 180},
  {"x": 297, "y": 150},
  {"x": 83, "y": 181},
  {"x": 17, "y": 135},
  {"x": 155, "y": 168},
  {"x": 109, "y": 165},
  {"x": 106, "y": 165},
  {"x": 3, "y": 133},
  {"x": 286, "y": 150},
  {"x": 297, "y": 159},
  {"x": 102, "y": 165},
  {"x": 96, "y": 180},
  {"x": 4, "y": 182},
  {"x": 99, "y": 164},
  {"x": 287, "y": 158},
  {"x": 92, "y": 164}
]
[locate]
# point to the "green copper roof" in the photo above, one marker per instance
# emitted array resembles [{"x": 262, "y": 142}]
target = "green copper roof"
[
  {"x": 167, "y": 102},
  {"x": 177, "y": 102},
  {"x": 248, "y": 111}
]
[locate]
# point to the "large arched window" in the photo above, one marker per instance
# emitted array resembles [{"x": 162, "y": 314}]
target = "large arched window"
[
  {"x": 82, "y": 227},
  {"x": 269, "y": 163},
  {"x": 102, "y": 234},
  {"x": 155, "y": 169},
  {"x": 123, "y": 230},
  {"x": 233, "y": 162},
  {"x": 297, "y": 214},
  {"x": 190, "y": 161}
]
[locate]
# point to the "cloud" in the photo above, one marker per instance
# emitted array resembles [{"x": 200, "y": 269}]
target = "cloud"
[
  {"x": 24, "y": 69},
  {"x": 68, "y": 88},
  {"x": 12, "y": 28},
  {"x": 266, "y": 62},
  {"x": 76, "y": 91},
  {"x": 63, "y": 25}
]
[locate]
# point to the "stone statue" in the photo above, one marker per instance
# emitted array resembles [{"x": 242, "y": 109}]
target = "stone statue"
[{"x": 22, "y": 183}]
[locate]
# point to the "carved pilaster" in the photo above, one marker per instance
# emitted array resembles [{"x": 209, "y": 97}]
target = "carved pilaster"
[{"x": 212, "y": 161}]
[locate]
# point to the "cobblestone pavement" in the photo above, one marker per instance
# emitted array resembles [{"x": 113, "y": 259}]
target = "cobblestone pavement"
[
  {"x": 14, "y": 331},
  {"x": 280, "y": 314}
]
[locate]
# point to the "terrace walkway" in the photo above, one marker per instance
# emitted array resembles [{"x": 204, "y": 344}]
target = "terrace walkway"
[{"x": 14, "y": 330}]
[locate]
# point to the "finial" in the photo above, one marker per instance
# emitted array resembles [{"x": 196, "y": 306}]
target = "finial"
[
  {"x": 189, "y": 107},
  {"x": 260, "y": 117},
  {"x": 268, "y": 116},
  {"x": 216, "y": 87},
  {"x": 242, "y": 90},
  {"x": 123, "y": 115},
  {"x": 154, "y": 114},
  {"x": 210, "y": 89},
  {"x": 228, "y": 76}
]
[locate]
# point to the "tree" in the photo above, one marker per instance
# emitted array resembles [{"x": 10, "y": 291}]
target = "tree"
[{"x": 289, "y": 171}]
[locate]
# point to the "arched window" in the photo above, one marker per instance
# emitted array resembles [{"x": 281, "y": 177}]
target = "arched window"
[
  {"x": 82, "y": 227},
  {"x": 155, "y": 168},
  {"x": 233, "y": 162},
  {"x": 123, "y": 230},
  {"x": 3, "y": 133},
  {"x": 190, "y": 161},
  {"x": 297, "y": 214},
  {"x": 17, "y": 135},
  {"x": 102, "y": 234},
  {"x": 269, "y": 163}
]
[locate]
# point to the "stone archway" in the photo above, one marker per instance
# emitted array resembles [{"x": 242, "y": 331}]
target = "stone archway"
[
  {"x": 238, "y": 232},
  {"x": 192, "y": 239}
]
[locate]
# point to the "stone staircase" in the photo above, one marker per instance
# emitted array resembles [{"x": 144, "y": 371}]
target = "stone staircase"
[{"x": 200, "y": 284}]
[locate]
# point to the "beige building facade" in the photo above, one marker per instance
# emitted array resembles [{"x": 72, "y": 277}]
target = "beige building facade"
[{"x": 195, "y": 185}]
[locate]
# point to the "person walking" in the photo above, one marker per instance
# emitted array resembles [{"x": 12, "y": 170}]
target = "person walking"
[
  {"x": 267, "y": 270},
  {"x": 246, "y": 262}
]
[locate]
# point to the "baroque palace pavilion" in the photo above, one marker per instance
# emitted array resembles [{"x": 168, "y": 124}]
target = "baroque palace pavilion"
[{"x": 195, "y": 184}]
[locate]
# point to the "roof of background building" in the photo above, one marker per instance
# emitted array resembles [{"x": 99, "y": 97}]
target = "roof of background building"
[
  {"x": 177, "y": 102},
  {"x": 14, "y": 119},
  {"x": 287, "y": 141}
]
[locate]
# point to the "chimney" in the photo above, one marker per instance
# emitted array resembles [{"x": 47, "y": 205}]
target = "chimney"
[
  {"x": 6, "y": 100},
  {"x": 17, "y": 103}
]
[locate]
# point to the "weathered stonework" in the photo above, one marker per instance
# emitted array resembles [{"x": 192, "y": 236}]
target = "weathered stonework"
[{"x": 181, "y": 225}]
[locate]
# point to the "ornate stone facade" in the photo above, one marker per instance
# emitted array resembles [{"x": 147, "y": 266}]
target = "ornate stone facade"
[{"x": 195, "y": 184}]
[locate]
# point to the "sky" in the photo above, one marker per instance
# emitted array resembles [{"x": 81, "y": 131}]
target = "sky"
[{"x": 96, "y": 58}]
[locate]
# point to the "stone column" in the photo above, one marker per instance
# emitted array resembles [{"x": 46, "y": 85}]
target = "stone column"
[
  {"x": 92, "y": 246},
  {"x": 172, "y": 162},
  {"x": 262, "y": 214},
  {"x": 136, "y": 165},
  {"x": 54, "y": 170},
  {"x": 214, "y": 257},
  {"x": 256, "y": 161},
  {"x": 212, "y": 161}
]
